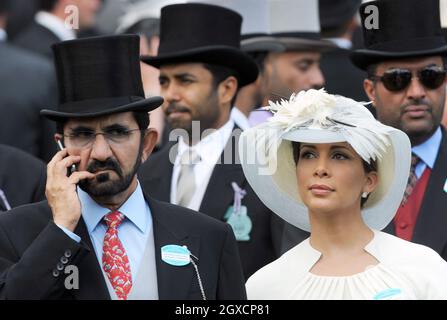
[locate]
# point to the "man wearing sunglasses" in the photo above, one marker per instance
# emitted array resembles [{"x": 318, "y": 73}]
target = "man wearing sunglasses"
[{"x": 405, "y": 59}]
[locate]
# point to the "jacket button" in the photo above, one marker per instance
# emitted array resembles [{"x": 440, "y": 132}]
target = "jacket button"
[
  {"x": 64, "y": 260},
  {"x": 60, "y": 266},
  {"x": 67, "y": 253},
  {"x": 55, "y": 273}
]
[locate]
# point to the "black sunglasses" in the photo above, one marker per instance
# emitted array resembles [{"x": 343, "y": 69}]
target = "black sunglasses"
[{"x": 396, "y": 79}]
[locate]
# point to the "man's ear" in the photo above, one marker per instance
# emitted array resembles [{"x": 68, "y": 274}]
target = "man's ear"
[
  {"x": 57, "y": 137},
  {"x": 149, "y": 142},
  {"x": 370, "y": 90},
  {"x": 227, "y": 89}
]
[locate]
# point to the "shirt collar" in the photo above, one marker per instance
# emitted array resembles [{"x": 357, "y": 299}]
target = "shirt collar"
[
  {"x": 55, "y": 25},
  {"x": 341, "y": 43},
  {"x": 210, "y": 147},
  {"x": 134, "y": 209},
  {"x": 428, "y": 151},
  {"x": 3, "y": 35},
  {"x": 239, "y": 118}
]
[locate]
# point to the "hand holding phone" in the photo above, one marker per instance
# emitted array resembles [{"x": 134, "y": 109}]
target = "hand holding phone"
[
  {"x": 61, "y": 190},
  {"x": 73, "y": 166}
]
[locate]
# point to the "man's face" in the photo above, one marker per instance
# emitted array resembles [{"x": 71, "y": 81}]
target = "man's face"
[
  {"x": 189, "y": 96},
  {"x": 293, "y": 71},
  {"x": 87, "y": 11},
  {"x": 416, "y": 110},
  {"x": 114, "y": 157}
]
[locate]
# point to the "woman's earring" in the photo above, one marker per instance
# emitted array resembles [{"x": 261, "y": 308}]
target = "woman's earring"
[{"x": 365, "y": 195}]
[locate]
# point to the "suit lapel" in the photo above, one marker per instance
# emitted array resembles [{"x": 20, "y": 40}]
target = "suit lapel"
[
  {"x": 219, "y": 194},
  {"x": 174, "y": 283},
  {"x": 92, "y": 284},
  {"x": 432, "y": 220}
]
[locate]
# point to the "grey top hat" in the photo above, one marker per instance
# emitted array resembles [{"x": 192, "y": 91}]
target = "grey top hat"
[{"x": 294, "y": 25}]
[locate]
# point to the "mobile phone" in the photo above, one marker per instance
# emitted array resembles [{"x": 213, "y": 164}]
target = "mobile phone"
[{"x": 61, "y": 147}]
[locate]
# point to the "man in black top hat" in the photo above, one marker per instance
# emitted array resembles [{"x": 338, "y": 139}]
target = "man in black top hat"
[
  {"x": 99, "y": 236},
  {"x": 201, "y": 69},
  {"x": 405, "y": 58}
]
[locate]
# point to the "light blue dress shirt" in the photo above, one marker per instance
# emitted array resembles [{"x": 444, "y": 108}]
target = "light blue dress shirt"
[
  {"x": 133, "y": 231},
  {"x": 427, "y": 152}
]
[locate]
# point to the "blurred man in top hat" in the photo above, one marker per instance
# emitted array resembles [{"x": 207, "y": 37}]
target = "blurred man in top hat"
[
  {"x": 56, "y": 21},
  {"x": 98, "y": 226},
  {"x": 405, "y": 59},
  {"x": 339, "y": 20},
  {"x": 201, "y": 69},
  {"x": 294, "y": 64}
]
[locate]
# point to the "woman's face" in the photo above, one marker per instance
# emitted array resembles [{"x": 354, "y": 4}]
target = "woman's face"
[{"x": 331, "y": 177}]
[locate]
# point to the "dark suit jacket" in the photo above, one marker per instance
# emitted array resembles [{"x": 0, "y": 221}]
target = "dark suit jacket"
[
  {"x": 31, "y": 247},
  {"x": 27, "y": 86},
  {"x": 265, "y": 238},
  {"x": 431, "y": 225},
  {"x": 38, "y": 39},
  {"x": 22, "y": 177}
]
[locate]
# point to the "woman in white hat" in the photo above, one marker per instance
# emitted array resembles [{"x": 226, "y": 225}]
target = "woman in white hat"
[{"x": 325, "y": 165}]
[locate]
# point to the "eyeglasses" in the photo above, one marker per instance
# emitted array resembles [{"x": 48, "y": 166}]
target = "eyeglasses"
[
  {"x": 82, "y": 139},
  {"x": 397, "y": 79}
]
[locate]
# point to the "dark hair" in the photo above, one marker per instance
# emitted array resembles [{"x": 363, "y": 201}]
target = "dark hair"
[
  {"x": 47, "y": 5},
  {"x": 371, "y": 70},
  {"x": 368, "y": 167},
  {"x": 5, "y": 6},
  {"x": 141, "y": 117},
  {"x": 220, "y": 73},
  {"x": 259, "y": 58}
]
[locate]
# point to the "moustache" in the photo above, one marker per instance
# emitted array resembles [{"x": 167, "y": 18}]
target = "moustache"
[
  {"x": 417, "y": 102},
  {"x": 172, "y": 107},
  {"x": 108, "y": 164}
]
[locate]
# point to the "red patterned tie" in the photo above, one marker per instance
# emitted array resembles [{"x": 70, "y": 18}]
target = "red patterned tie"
[
  {"x": 114, "y": 258},
  {"x": 412, "y": 179}
]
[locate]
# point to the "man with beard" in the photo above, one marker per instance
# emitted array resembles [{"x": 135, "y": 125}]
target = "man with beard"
[
  {"x": 201, "y": 69},
  {"x": 405, "y": 58},
  {"x": 99, "y": 236}
]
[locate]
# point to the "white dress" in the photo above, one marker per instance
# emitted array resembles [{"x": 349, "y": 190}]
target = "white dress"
[{"x": 405, "y": 271}]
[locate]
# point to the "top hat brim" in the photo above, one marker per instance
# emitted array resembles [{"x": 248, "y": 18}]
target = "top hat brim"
[
  {"x": 363, "y": 58},
  {"x": 102, "y": 107},
  {"x": 220, "y": 55}
]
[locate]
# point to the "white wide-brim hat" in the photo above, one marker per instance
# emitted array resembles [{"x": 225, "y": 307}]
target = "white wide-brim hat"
[{"x": 314, "y": 116}]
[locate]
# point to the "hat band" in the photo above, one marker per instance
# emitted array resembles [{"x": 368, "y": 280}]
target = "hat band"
[
  {"x": 95, "y": 105},
  {"x": 415, "y": 44}
]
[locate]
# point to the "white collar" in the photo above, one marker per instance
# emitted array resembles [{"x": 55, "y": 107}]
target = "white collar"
[
  {"x": 341, "y": 43},
  {"x": 3, "y": 35},
  {"x": 55, "y": 25},
  {"x": 239, "y": 118},
  {"x": 209, "y": 148}
]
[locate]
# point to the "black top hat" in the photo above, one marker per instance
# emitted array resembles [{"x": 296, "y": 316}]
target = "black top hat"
[
  {"x": 194, "y": 32},
  {"x": 335, "y": 13},
  {"x": 406, "y": 28},
  {"x": 99, "y": 76}
]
